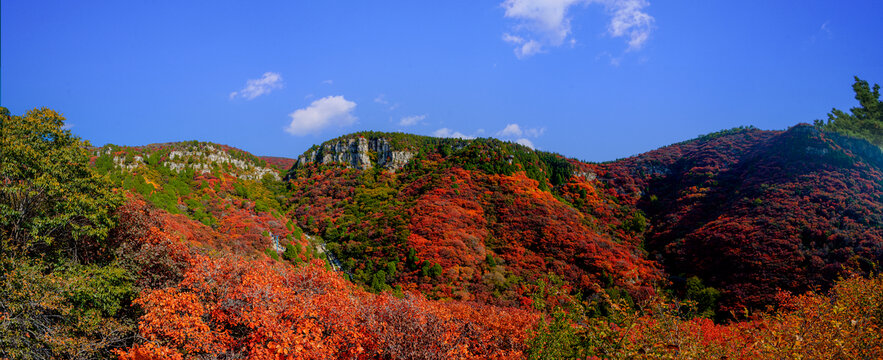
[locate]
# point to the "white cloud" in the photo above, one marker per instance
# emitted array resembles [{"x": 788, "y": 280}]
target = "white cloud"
[
  {"x": 518, "y": 135},
  {"x": 529, "y": 48},
  {"x": 514, "y": 130},
  {"x": 381, "y": 99},
  {"x": 448, "y": 133},
  {"x": 525, "y": 142},
  {"x": 823, "y": 33},
  {"x": 547, "y": 18},
  {"x": 512, "y": 39},
  {"x": 524, "y": 47},
  {"x": 322, "y": 113},
  {"x": 630, "y": 20},
  {"x": 510, "y": 130},
  {"x": 535, "y": 132},
  {"x": 328, "y": 82},
  {"x": 545, "y": 23},
  {"x": 824, "y": 28},
  {"x": 257, "y": 87},
  {"x": 411, "y": 120}
]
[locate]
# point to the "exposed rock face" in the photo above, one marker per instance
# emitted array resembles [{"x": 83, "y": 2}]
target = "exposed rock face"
[
  {"x": 124, "y": 163},
  {"x": 587, "y": 175},
  {"x": 358, "y": 153},
  {"x": 203, "y": 158},
  {"x": 388, "y": 158}
]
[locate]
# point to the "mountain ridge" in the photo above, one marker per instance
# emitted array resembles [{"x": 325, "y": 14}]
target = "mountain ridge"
[
  {"x": 642, "y": 208},
  {"x": 627, "y": 201},
  {"x": 147, "y": 246}
]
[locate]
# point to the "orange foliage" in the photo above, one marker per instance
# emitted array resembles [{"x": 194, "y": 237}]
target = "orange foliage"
[
  {"x": 150, "y": 351},
  {"x": 456, "y": 225},
  {"x": 845, "y": 324},
  {"x": 265, "y": 310}
]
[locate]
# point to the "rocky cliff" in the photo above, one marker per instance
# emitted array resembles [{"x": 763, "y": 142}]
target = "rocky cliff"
[
  {"x": 204, "y": 157},
  {"x": 201, "y": 157},
  {"x": 357, "y": 153}
]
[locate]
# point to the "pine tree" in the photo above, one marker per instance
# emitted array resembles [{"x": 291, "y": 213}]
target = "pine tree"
[{"x": 865, "y": 121}]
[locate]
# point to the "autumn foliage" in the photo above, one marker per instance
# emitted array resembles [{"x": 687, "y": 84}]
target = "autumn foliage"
[
  {"x": 755, "y": 212},
  {"x": 262, "y": 310},
  {"x": 741, "y": 244}
]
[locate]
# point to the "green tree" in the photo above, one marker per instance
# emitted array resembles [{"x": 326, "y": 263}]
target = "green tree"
[
  {"x": 51, "y": 202},
  {"x": 77, "y": 313},
  {"x": 865, "y": 121},
  {"x": 291, "y": 252},
  {"x": 378, "y": 281},
  {"x": 704, "y": 298},
  {"x": 553, "y": 338}
]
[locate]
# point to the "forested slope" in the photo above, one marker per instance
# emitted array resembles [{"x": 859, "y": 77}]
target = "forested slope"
[
  {"x": 755, "y": 212},
  {"x": 748, "y": 212}
]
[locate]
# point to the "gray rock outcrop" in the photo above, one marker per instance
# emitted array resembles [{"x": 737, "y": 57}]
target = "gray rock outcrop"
[
  {"x": 203, "y": 158},
  {"x": 357, "y": 153}
]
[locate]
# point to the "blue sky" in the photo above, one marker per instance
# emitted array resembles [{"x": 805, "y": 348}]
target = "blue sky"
[{"x": 595, "y": 80}]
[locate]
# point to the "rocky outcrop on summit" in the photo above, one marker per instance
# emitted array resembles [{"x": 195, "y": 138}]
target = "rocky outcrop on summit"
[
  {"x": 352, "y": 152},
  {"x": 388, "y": 158},
  {"x": 203, "y": 158},
  {"x": 357, "y": 153}
]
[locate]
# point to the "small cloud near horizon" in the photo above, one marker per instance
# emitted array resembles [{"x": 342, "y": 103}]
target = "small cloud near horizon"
[
  {"x": 514, "y": 133},
  {"x": 525, "y": 142},
  {"x": 411, "y": 120},
  {"x": 448, "y": 133},
  {"x": 515, "y": 130}
]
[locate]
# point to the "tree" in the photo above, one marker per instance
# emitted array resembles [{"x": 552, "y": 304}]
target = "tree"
[
  {"x": 51, "y": 202},
  {"x": 866, "y": 121}
]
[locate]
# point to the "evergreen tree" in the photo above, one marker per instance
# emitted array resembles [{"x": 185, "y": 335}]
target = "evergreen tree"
[{"x": 865, "y": 121}]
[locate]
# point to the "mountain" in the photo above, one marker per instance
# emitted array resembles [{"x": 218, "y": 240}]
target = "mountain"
[
  {"x": 748, "y": 212},
  {"x": 181, "y": 250},
  {"x": 756, "y": 212},
  {"x": 218, "y": 197},
  {"x": 194, "y": 249}
]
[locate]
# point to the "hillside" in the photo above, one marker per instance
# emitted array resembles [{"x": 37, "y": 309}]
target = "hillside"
[
  {"x": 192, "y": 249},
  {"x": 464, "y": 219},
  {"x": 748, "y": 212},
  {"x": 223, "y": 198},
  {"x": 754, "y": 212}
]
